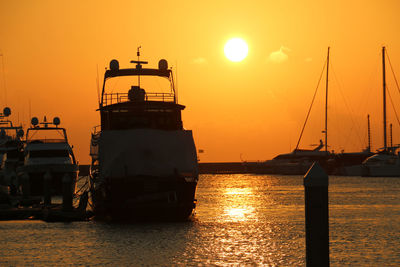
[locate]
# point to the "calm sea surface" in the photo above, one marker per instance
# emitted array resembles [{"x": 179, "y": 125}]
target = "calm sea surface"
[{"x": 240, "y": 220}]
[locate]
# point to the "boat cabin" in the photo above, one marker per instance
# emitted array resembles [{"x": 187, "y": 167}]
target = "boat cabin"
[
  {"x": 139, "y": 106},
  {"x": 44, "y": 141}
]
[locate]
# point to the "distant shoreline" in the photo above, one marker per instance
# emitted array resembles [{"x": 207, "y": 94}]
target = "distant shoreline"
[{"x": 204, "y": 168}]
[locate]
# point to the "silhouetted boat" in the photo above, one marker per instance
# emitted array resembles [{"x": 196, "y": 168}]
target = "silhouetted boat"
[
  {"x": 349, "y": 163},
  {"x": 295, "y": 163},
  {"x": 144, "y": 164},
  {"x": 11, "y": 155},
  {"x": 47, "y": 153},
  {"x": 386, "y": 163}
]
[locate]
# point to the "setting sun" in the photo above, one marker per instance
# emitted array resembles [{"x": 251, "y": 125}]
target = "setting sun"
[{"x": 236, "y": 49}]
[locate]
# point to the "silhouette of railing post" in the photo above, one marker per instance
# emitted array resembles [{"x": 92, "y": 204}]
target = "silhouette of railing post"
[{"x": 317, "y": 216}]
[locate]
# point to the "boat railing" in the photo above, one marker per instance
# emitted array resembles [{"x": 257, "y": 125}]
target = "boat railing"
[
  {"x": 46, "y": 141},
  {"x": 115, "y": 98}
]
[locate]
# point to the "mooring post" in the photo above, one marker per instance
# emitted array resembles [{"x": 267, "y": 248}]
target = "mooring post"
[
  {"x": 317, "y": 216},
  {"x": 47, "y": 188},
  {"x": 67, "y": 192}
]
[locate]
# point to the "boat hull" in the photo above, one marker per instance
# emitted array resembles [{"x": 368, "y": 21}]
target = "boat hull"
[
  {"x": 381, "y": 171},
  {"x": 144, "y": 198},
  {"x": 36, "y": 175}
]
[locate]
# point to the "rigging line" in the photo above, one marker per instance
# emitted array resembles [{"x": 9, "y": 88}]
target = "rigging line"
[
  {"x": 394, "y": 109},
  {"x": 309, "y": 110},
  {"x": 394, "y": 76},
  {"x": 60, "y": 133},
  {"x": 364, "y": 106},
  {"x": 354, "y": 124}
]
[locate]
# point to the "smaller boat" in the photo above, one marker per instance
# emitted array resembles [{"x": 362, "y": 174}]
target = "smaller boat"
[
  {"x": 48, "y": 155},
  {"x": 386, "y": 163},
  {"x": 298, "y": 162},
  {"x": 350, "y": 163},
  {"x": 11, "y": 154}
]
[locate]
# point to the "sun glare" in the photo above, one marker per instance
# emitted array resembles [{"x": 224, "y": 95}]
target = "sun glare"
[{"x": 236, "y": 49}]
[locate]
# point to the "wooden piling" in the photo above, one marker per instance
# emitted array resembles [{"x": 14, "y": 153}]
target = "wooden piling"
[{"x": 317, "y": 216}]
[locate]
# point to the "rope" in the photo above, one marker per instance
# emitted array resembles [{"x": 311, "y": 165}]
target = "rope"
[
  {"x": 309, "y": 110},
  {"x": 83, "y": 188},
  {"x": 394, "y": 76},
  {"x": 394, "y": 108},
  {"x": 397, "y": 85},
  {"x": 354, "y": 124}
]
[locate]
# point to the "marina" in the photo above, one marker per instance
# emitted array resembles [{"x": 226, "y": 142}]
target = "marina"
[
  {"x": 212, "y": 133},
  {"x": 240, "y": 219}
]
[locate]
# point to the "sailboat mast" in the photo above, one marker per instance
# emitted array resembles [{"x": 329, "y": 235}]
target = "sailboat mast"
[
  {"x": 384, "y": 99},
  {"x": 326, "y": 102}
]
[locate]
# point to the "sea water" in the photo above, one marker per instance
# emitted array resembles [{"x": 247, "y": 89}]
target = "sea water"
[{"x": 241, "y": 219}]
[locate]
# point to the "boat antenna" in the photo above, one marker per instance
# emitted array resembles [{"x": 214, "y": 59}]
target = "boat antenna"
[
  {"x": 369, "y": 135},
  {"x": 176, "y": 84},
  {"x": 138, "y": 59},
  {"x": 30, "y": 109},
  {"x": 4, "y": 78},
  {"x": 326, "y": 102},
  {"x": 98, "y": 86},
  {"x": 384, "y": 98}
]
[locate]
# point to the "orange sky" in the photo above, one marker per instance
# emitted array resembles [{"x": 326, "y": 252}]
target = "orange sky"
[{"x": 251, "y": 110}]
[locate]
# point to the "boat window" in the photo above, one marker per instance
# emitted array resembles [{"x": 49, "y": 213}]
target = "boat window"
[
  {"x": 46, "y": 135},
  {"x": 168, "y": 119},
  {"x": 48, "y": 153},
  {"x": 122, "y": 89}
]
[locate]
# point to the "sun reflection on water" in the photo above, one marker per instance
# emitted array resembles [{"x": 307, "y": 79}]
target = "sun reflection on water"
[{"x": 238, "y": 204}]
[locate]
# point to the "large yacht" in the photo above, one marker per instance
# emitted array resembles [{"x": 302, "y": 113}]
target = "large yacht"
[
  {"x": 144, "y": 163},
  {"x": 47, "y": 155}
]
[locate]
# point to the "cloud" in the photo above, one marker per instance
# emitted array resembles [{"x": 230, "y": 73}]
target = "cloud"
[
  {"x": 199, "y": 60},
  {"x": 279, "y": 56}
]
